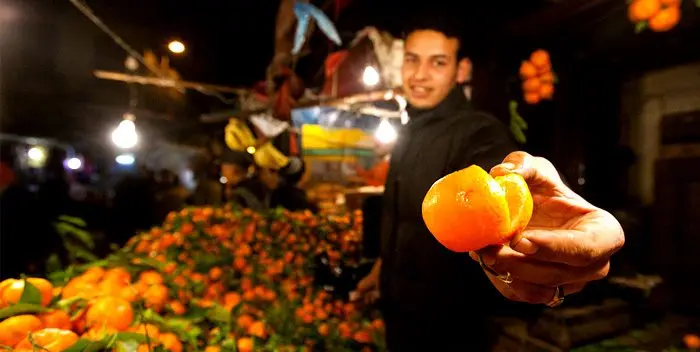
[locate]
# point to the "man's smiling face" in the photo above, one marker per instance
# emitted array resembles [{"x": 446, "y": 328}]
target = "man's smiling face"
[{"x": 431, "y": 67}]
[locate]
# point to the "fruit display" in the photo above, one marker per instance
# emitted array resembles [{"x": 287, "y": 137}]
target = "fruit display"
[
  {"x": 209, "y": 279},
  {"x": 657, "y": 15},
  {"x": 538, "y": 78},
  {"x": 468, "y": 210}
]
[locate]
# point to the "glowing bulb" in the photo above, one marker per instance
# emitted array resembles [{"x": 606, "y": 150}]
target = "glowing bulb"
[
  {"x": 125, "y": 136},
  {"x": 370, "y": 77},
  {"x": 250, "y": 150},
  {"x": 36, "y": 154},
  {"x": 385, "y": 132},
  {"x": 223, "y": 179},
  {"x": 125, "y": 159},
  {"x": 74, "y": 163},
  {"x": 176, "y": 47}
]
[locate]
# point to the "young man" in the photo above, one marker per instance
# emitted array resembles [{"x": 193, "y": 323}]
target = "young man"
[
  {"x": 437, "y": 300},
  {"x": 432, "y": 297}
]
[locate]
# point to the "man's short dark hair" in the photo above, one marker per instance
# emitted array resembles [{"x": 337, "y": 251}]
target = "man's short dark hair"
[{"x": 439, "y": 20}]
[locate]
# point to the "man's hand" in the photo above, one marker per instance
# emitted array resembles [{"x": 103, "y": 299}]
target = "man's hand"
[
  {"x": 368, "y": 288},
  {"x": 567, "y": 243}
]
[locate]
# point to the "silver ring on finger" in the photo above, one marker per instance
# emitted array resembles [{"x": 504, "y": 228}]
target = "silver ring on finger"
[
  {"x": 507, "y": 278},
  {"x": 557, "y": 299}
]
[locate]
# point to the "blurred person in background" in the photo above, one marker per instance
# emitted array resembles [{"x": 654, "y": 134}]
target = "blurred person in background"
[
  {"x": 287, "y": 194},
  {"x": 209, "y": 190},
  {"x": 235, "y": 168},
  {"x": 27, "y": 237},
  {"x": 134, "y": 205},
  {"x": 171, "y": 195}
]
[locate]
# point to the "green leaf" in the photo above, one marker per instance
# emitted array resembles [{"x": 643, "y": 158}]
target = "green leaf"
[
  {"x": 219, "y": 314},
  {"x": 21, "y": 308},
  {"x": 80, "y": 346},
  {"x": 640, "y": 26},
  {"x": 73, "y": 220},
  {"x": 53, "y": 264},
  {"x": 131, "y": 336},
  {"x": 30, "y": 294},
  {"x": 518, "y": 134},
  {"x": 127, "y": 346}
]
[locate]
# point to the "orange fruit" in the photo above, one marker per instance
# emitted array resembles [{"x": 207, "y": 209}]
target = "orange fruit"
[
  {"x": 540, "y": 59},
  {"x": 257, "y": 329},
  {"x": 245, "y": 344},
  {"x": 151, "y": 278},
  {"x": 532, "y": 98},
  {"x": 177, "y": 307},
  {"x": 97, "y": 333},
  {"x": 156, "y": 296},
  {"x": 531, "y": 85},
  {"x": 362, "y": 336},
  {"x": 691, "y": 341},
  {"x": 93, "y": 275},
  {"x": 547, "y": 77},
  {"x": 14, "y": 329},
  {"x": 50, "y": 339},
  {"x": 643, "y": 10},
  {"x": 56, "y": 319},
  {"x": 468, "y": 210},
  {"x": 12, "y": 293},
  {"x": 170, "y": 342},
  {"x": 215, "y": 273},
  {"x": 527, "y": 70},
  {"x": 119, "y": 275},
  {"x": 665, "y": 19},
  {"x": 114, "y": 312},
  {"x": 244, "y": 321},
  {"x": 546, "y": 91},
  {"x": 149, "y": 330},
  {"x": 3, "y": 285},
  {"x": 212, "y": 349}
]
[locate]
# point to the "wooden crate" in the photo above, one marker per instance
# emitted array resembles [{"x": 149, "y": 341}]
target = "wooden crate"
[{"x": 566, "y": 327}]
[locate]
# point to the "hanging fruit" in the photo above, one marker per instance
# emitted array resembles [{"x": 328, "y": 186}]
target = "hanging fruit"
[
  {"x": 538, "y": 78},
  {"x": 657, "y": 15}
]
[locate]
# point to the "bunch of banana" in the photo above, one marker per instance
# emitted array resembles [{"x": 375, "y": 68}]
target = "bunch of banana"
[{"x": 239, "y": 137}]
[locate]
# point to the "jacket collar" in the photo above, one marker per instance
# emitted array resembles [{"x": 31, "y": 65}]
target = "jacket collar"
[{"x": 449, "y": 107}]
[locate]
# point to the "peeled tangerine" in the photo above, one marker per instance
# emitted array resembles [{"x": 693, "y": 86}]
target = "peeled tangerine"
[{"x": 468, "y": 210}]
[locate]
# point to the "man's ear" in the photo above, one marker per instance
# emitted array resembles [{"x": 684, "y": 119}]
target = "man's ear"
[{"x": 464, "y": 70}]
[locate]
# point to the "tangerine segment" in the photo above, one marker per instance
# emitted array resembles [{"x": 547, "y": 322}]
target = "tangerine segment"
[
  {"x": 519, "y": 201},
  {"x": 467, "y": 210}
]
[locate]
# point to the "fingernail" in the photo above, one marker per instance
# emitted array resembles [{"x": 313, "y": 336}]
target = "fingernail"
[
  {"x": 509, "y": 166},
  {"x": 488, "y": 260},
  {"x": 525, "y": 246}
]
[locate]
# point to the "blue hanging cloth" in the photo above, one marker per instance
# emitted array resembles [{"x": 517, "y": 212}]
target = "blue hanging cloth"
[{"x": 304, "y": 11}]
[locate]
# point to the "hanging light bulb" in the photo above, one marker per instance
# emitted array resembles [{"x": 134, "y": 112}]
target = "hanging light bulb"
[
  {"x": 385, "y": 133},
  {"x": 370, "y": 76},
  {"x": 125, "y": 136}
]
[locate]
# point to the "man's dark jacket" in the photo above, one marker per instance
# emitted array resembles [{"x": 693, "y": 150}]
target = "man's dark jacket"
[{"x": 432, "y": 297}]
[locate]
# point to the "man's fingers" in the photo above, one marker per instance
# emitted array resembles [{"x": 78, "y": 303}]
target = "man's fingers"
[
  {"x": 521, "y": 291},
  {"x": 522, "y": 268},
  {"x": 514, "y": 161},
  {"x": 594, "y": 237}
]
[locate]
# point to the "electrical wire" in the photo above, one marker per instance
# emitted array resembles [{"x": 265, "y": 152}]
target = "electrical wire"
[{"x": 87, "y": 11}]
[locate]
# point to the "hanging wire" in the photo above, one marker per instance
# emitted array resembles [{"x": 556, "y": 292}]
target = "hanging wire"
[{"x": 85, "y": 10}]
